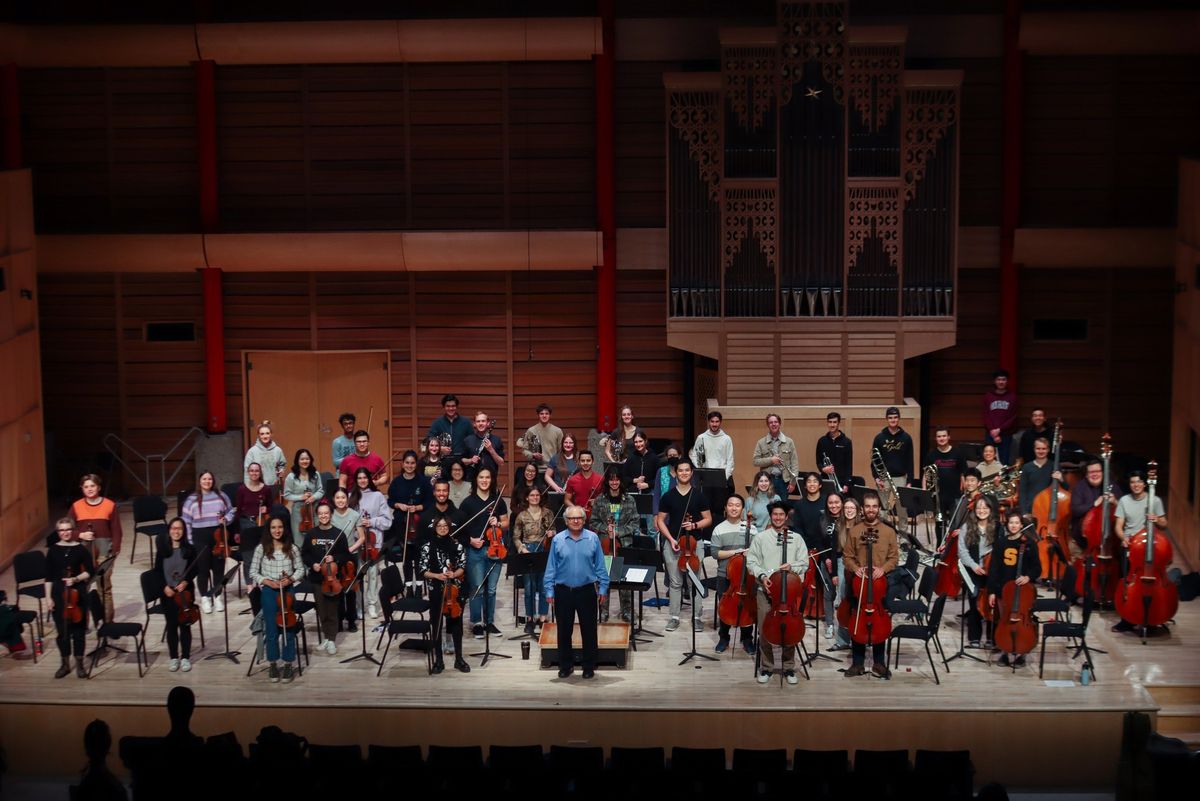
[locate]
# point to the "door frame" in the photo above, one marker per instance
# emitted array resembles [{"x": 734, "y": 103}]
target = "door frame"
[{"x": 248, "y": 437}]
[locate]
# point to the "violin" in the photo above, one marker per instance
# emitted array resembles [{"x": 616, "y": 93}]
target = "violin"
[
  {"x": 306, "y": 516},
  {"x": 739, "y": 606},
  {"x": 495, "y": 542},
  {"x": 188, "y": 612},
  {"x": 220, "y": 548},
  {"x": 72, "y": 611},
  {"x": 451, "y": 605},
  {"x": 369, "y": 549},
  {"x": 285, "y": 616},
  {"x": 687, "y": 547},
  {"x": 335, "y": 578},
  {"x": 1097, "y": 568},
  {"x": 1016, "y": 628},
  {"x": 1147, "y": 598},
  {"x": 783, "y": 624},
  {"x": 1052, "y": 508},
  {"x": 862, "y": 611},
  {"x": 609, "y": 544}
]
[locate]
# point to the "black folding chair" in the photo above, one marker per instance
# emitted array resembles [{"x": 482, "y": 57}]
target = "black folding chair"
[
  {"x": 29, "y": 571},
  {"x": 925, "y": 634},
  {"x": 106, "y": 630},
  {"x": 1076, "y": 632},
  {"x": 149, "y": 518}
]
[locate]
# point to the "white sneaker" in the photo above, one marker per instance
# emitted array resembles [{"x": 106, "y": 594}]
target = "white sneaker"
[
  {"x": 206, "y": 605},
  {"x": 185, "y": 665},
  {"x": 764, "y": 676},
  {"x": 173, "y": 665},
  {"x": 360, "y": 614},
  {"x": 373, "y": 611},
  {"x": 219, "y": 603},
  {"x": 330, "y": 647},
  {"x": 829, "y": 632},
  {"x": 672, "y": 624}
]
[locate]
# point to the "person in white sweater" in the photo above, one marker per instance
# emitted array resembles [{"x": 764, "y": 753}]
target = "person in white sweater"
[
  {"x": 714, "y": 451},
  {"x": 267, "y": 454}
]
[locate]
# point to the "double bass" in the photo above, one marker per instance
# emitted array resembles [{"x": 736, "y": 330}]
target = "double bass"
[
  {"x": 1052, "y": 508},
  {"x": 1097, "y": 567},
  {"x": 1016, "y": 630},
  {"x": 862, "y": 611},
  {"x": 1147, "y": 598},
  {"x": 739, "y": 606}
]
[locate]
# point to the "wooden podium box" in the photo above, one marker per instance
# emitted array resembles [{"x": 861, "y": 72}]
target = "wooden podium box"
[{"x": 613, "y": 637}]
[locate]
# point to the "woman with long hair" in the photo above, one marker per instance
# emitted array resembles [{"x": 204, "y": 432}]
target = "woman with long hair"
[
  {"x": 563, "y": 464},
  {"x": 276, "y": 567},
  {"x": 176, "y": 561},
  {"x": 303, "y": 486},
  {"x": 203, "y": 512},
  {"x": 762, "y": 495},
  {"x": 975, "y": 541},
  {"x": 376, "y": 515},
  {"x": 531, "y": 532},
  {"x": 479, "y": 564}
]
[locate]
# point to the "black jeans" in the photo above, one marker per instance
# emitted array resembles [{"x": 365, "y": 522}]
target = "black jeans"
[
  {"x": 70, "y": 637},
  {"x": 569, "y": 602},
  {"x": 858, "y": 653},
  {"x": 454, "y": 625},
  {"x": 177, "y": 635},
  {"x": 209, "y": 571}
]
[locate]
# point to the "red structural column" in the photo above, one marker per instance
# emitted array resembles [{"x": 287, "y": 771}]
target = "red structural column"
[
  {"x": 1010, "y": 186},
  {"x": 10, "y": 112},
  {"x": 214, "y": 350},
  {"x": 606, "y": 216},
  {"x": 214, "y": 311}
]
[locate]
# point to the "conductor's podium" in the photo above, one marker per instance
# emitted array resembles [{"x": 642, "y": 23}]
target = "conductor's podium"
[{"x": 613, "y": 639}]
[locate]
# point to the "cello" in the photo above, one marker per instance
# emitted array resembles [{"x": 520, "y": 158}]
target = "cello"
[
  {"x": 1147, "y": 598},
  {"x": 783, "y": 624},
  {"x": 946, "y": 578},
  {"x": 862, "y": 611},
  {"x": 738, "y": 606},
  {"x": 1098, "y": 525},
  {"x": 1016, "y": 629},
  {"x": 1052, "y": 508}
]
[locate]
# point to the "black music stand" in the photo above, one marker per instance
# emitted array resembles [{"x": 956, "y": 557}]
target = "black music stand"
[
  {"x": 524, "y": 564},
  {"x": 553, "y": 500},
  {"x": 698, "y": 589},
  {"x": 816, "y": 653},
  {"x": 916, "y": 502},
  {"x": 106, "y": 566},
  {"x": 649, "y": 558},
  {"x": 967, "y": 598},
  {"x": 360, "y": 580},
  {"x": 618, "y": 579},
  {"x": 232, "y": 656},
  {"x": 487, "y": 651}
]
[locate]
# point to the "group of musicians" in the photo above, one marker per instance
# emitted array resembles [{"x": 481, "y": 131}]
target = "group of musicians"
[{"x": 435, "y": 522}]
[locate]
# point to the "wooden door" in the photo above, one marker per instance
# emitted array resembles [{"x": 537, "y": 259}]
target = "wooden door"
[
  {"x": 303, "y": 392},
  {"x": 356, "y": 382}
]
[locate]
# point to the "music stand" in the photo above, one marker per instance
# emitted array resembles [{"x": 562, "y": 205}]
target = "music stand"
[
  {"x": 967, "y": 598},
  {"x": 618, "y": 579},
  {"x": 698, "y": 589},
  {"x": 106, "y": 566},
  {"x": 644, "y": 557},
  {"x": 553, "y": 500},
  {"x": 818, "y": 588},
  {"x": 524, "y": 564},
  {"x": 644, "y": 502},
  {"x": 487, "y": 651},
  {"x": 916, "y": 502},
  {"x": 232, "y": 656},
  {"x": 360, "y": 580}
]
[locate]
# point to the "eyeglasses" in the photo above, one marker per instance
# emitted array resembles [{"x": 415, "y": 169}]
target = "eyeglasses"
[{"x": 574, "y": 518}]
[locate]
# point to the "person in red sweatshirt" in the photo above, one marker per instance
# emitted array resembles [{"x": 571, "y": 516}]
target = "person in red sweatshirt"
[{"x": 999, "y": 414}]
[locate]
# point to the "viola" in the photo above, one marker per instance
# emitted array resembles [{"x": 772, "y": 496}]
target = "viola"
[
  {"x": 220, "y": 547},
  {"x": 494, "y": 535},
  {"x": 739, "y": 605},
  {"x": 331, "y": 578},
  {"x": 1052, "y": 509},
  {"x": 369, "y": 549},
  {"x": 1098, "y": 569},
  {"x": 1147, "y": 598},
  {"x": 306, "y": 516},
  {"x": 783, "y": 624},
  {"x": 947, "y": 580},
  {"x": 1016, "y": 628},
  {"x": 72, "y": 611},
  {"x": 862, "y": 611},
  {"x": 687, "y": 548}
]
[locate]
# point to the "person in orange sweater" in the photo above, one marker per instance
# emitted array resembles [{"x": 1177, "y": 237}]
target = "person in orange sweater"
[{"x": 99, "y": 525}]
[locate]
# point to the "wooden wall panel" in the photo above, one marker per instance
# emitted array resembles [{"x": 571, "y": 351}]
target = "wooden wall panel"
[
  {"x": 1102, "y": 138},
  {"x": 1117, "y": 381},
  {"x": 641, "y": 153},
  {"x": 649, "y": 372}
]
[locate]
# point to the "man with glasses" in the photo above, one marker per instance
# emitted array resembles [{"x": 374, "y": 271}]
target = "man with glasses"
[{"x": 575, "y": 579}]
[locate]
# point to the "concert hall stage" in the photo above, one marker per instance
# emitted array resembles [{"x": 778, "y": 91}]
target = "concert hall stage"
[{"x": 1018, "y": 728}]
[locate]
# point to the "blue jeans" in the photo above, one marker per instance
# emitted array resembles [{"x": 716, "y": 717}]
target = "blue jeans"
[
  {"x": 477, "y": 566},
  {"x": 270, "y": 607},
  {"x": 534, "y": 591}
]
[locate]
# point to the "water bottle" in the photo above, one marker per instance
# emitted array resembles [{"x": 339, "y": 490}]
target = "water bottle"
[{"x": 1085, "y": 675}]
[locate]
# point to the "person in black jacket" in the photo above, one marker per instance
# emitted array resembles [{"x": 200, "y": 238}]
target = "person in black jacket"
[
  {"x": 895, "y": 445},
  {"x": 1014, "y": 558},
  {"x": 176, "y": 561},
  {"x": 69, "y": 565},
  {"x": 325, "y": 543}
]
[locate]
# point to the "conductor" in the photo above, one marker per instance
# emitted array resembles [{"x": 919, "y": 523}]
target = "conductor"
[{"x": 576, "y": 577}]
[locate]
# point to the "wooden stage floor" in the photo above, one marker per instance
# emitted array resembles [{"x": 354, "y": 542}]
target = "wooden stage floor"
[{"x": 654, "y": 701}]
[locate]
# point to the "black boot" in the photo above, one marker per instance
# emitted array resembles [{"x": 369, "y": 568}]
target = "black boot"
[
  {"x": 64, "y": 670},
  {"x": 80, "y": 670}
]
